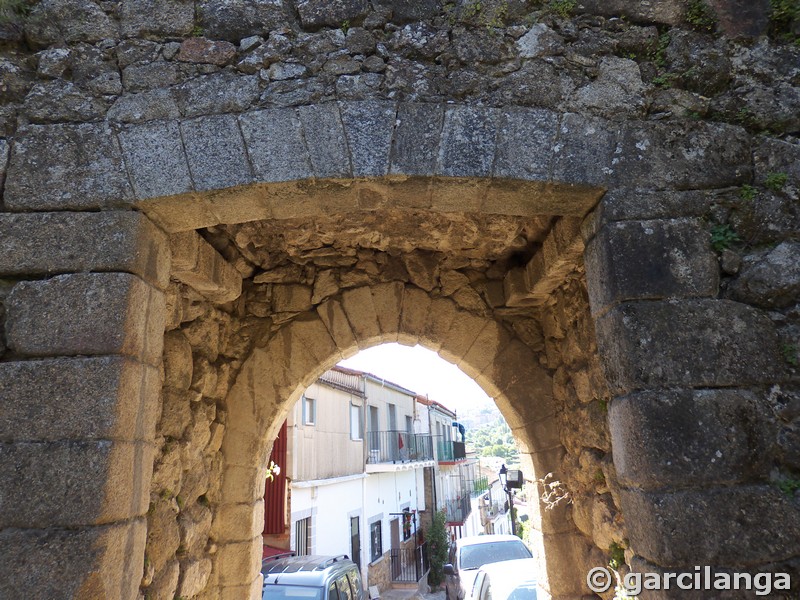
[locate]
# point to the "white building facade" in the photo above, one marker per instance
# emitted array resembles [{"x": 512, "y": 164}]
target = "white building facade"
[{"x": 355, "y": 468}]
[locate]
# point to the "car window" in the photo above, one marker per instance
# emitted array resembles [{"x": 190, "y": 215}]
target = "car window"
[
  {"x": 344, "y": 588},
  {"x": 291, "y": 592},
  {"x": 477, "y": 555},
  {"x": 355, "y": 583},
  {"x": 333, "y": 593}
]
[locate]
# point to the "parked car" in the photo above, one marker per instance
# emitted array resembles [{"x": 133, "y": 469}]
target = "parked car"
[
  {"x": 311, "y": 578},
  {"x": 469, "y": 554},
  {"x": 507, "y": 580}
]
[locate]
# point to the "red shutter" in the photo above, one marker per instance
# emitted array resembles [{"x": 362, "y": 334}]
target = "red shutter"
[{"x": 275, "y": 493}]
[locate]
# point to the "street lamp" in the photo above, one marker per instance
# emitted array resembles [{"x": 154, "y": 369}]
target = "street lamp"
[
  {"x": 510, "y": 479},
  {"x": 504, "y": 483}
]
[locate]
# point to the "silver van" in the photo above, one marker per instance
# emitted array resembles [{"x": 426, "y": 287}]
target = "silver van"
[{"x": 311, "y": 578}]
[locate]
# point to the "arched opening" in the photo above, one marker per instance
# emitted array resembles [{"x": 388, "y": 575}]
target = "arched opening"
[{"x": 501, "y": 296}]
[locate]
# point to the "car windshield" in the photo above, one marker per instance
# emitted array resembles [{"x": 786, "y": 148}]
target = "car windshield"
[
  {"x": 291, "y": 592},
  {"x": 477, "y": 555}
]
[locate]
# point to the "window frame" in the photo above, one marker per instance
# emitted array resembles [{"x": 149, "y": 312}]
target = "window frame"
[
  {"x": 312, "y": 404},
  {"x": 375, "y": 527},
  {"x": 356, "y": 436}
]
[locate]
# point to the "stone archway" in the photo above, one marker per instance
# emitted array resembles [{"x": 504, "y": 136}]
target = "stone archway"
[
  {"x": 651, "y": 279},
  {"x": 274, "y": 376}
]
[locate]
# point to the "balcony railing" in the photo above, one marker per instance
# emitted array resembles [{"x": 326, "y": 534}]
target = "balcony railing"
[
  {"x": 448, "y": 451},
  {"x": 457, "y": 511},
  {"x": 479, "y": 486},
  {"x": 398, "y": 447}
]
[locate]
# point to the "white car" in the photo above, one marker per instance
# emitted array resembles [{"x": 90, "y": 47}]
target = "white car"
[
  {"x": 469, "y": 554},
  {"x": 508, "y": 580}
]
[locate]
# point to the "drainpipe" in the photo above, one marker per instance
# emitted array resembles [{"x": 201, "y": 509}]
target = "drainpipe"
[{"x": 364, "y": 452}]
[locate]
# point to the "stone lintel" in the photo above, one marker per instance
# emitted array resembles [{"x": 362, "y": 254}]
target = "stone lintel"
[
  {"x": 559, "y": 255},
  {"x": 197, "y": 264}
]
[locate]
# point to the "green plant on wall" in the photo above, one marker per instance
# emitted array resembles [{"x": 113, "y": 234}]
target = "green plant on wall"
[
  {"x": 789, "y": 352},
  {"x": 11, "y": 10},
  {"x": 776, "y": 181},
  {"x": 723, "y": 236},
  {"x": 700, "y": 16},
  {"x": 784, "y": 14}
]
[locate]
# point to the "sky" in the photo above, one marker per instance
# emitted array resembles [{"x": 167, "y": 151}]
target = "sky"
[{"x": 421, "y": 371}]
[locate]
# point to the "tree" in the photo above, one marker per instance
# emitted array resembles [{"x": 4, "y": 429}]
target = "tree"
[{"x": 438, "y": 549}]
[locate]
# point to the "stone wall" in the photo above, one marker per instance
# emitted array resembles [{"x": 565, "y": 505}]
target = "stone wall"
[{"x": 338, "y": 158}]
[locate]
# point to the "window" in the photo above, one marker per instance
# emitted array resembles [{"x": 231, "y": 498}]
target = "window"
[
  {"x": 355, "y": 422},
  {"x": 344, "y": 588},
  {"x": 302, "y": 534},
  {"x": 333, "y": 593},
  {"x": 375, "y": 541},
  {"x": 409, "y": 425},
  {"x": 407, "y": 523},
  {"x": 309, "y": 411},
  {"x": 392, "y": 417}
]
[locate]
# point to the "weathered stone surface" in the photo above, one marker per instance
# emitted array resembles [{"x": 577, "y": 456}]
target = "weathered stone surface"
[
  {"x": 408, "y": 11},
  {"x": 291, "y": 298},
  {"x": 682, "y": 156},
  {"x": 120, "y": 395},
  {"x": 62, "y": 101},
  {"x": 64, "y": 563},
  {"x": 525, "y": 138},
  {"x": 216, "y": 153},
  {"x": 629, "y": 205},
  {"x": 668, "y": 12},
  {"x": 157, "y": 18},
  {"x": 318, "y": 13},
  {"x": 202, "y": 50},
  {"x": 156, "y": 159},
  {"x": 198, "y": 265},
  {"x": 329, "y": 154},
  {"x": 468, "y": 142},
  {"x": 146, "y": 106},
  {"x": 741, "y": 18},
  {"x": 583, "y": 153},
  {"x": 739, "y": 526},
  {"x": 618, "y": 89},
  {"x": 52, "y": 21},
  {"x": 639, "y": 260},
  {"x": 120, "y": 314},
  {"x": 770, "y": 280},
  {"x": 50, "y": 243},
  {"x": 233, "y": 20},
  {"x": 686, "y": 343},
  {"x": 216, "y": 93},
  {"x": 88, "y": 172},
  {"x": 150, "y": 76},
  {"x": 700, "y": 437},
  {"x": 99, "y": 483},
  {"x": 416, "y": 139},
  {"x": 275, "y": 145},
  {"x": 194, "y": 577},
  {"x": 539, "y": 41},
  {"x": 177, "y": 361},
  {"x": 368, "y": 128}
]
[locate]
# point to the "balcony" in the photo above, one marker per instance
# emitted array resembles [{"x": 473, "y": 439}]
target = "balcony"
[
  {"x": 457, "y": 511},
  {"x": 448, "y": 452},
  {"x": 479, "y": 486},
  {"x": 398, "y": 450}
]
